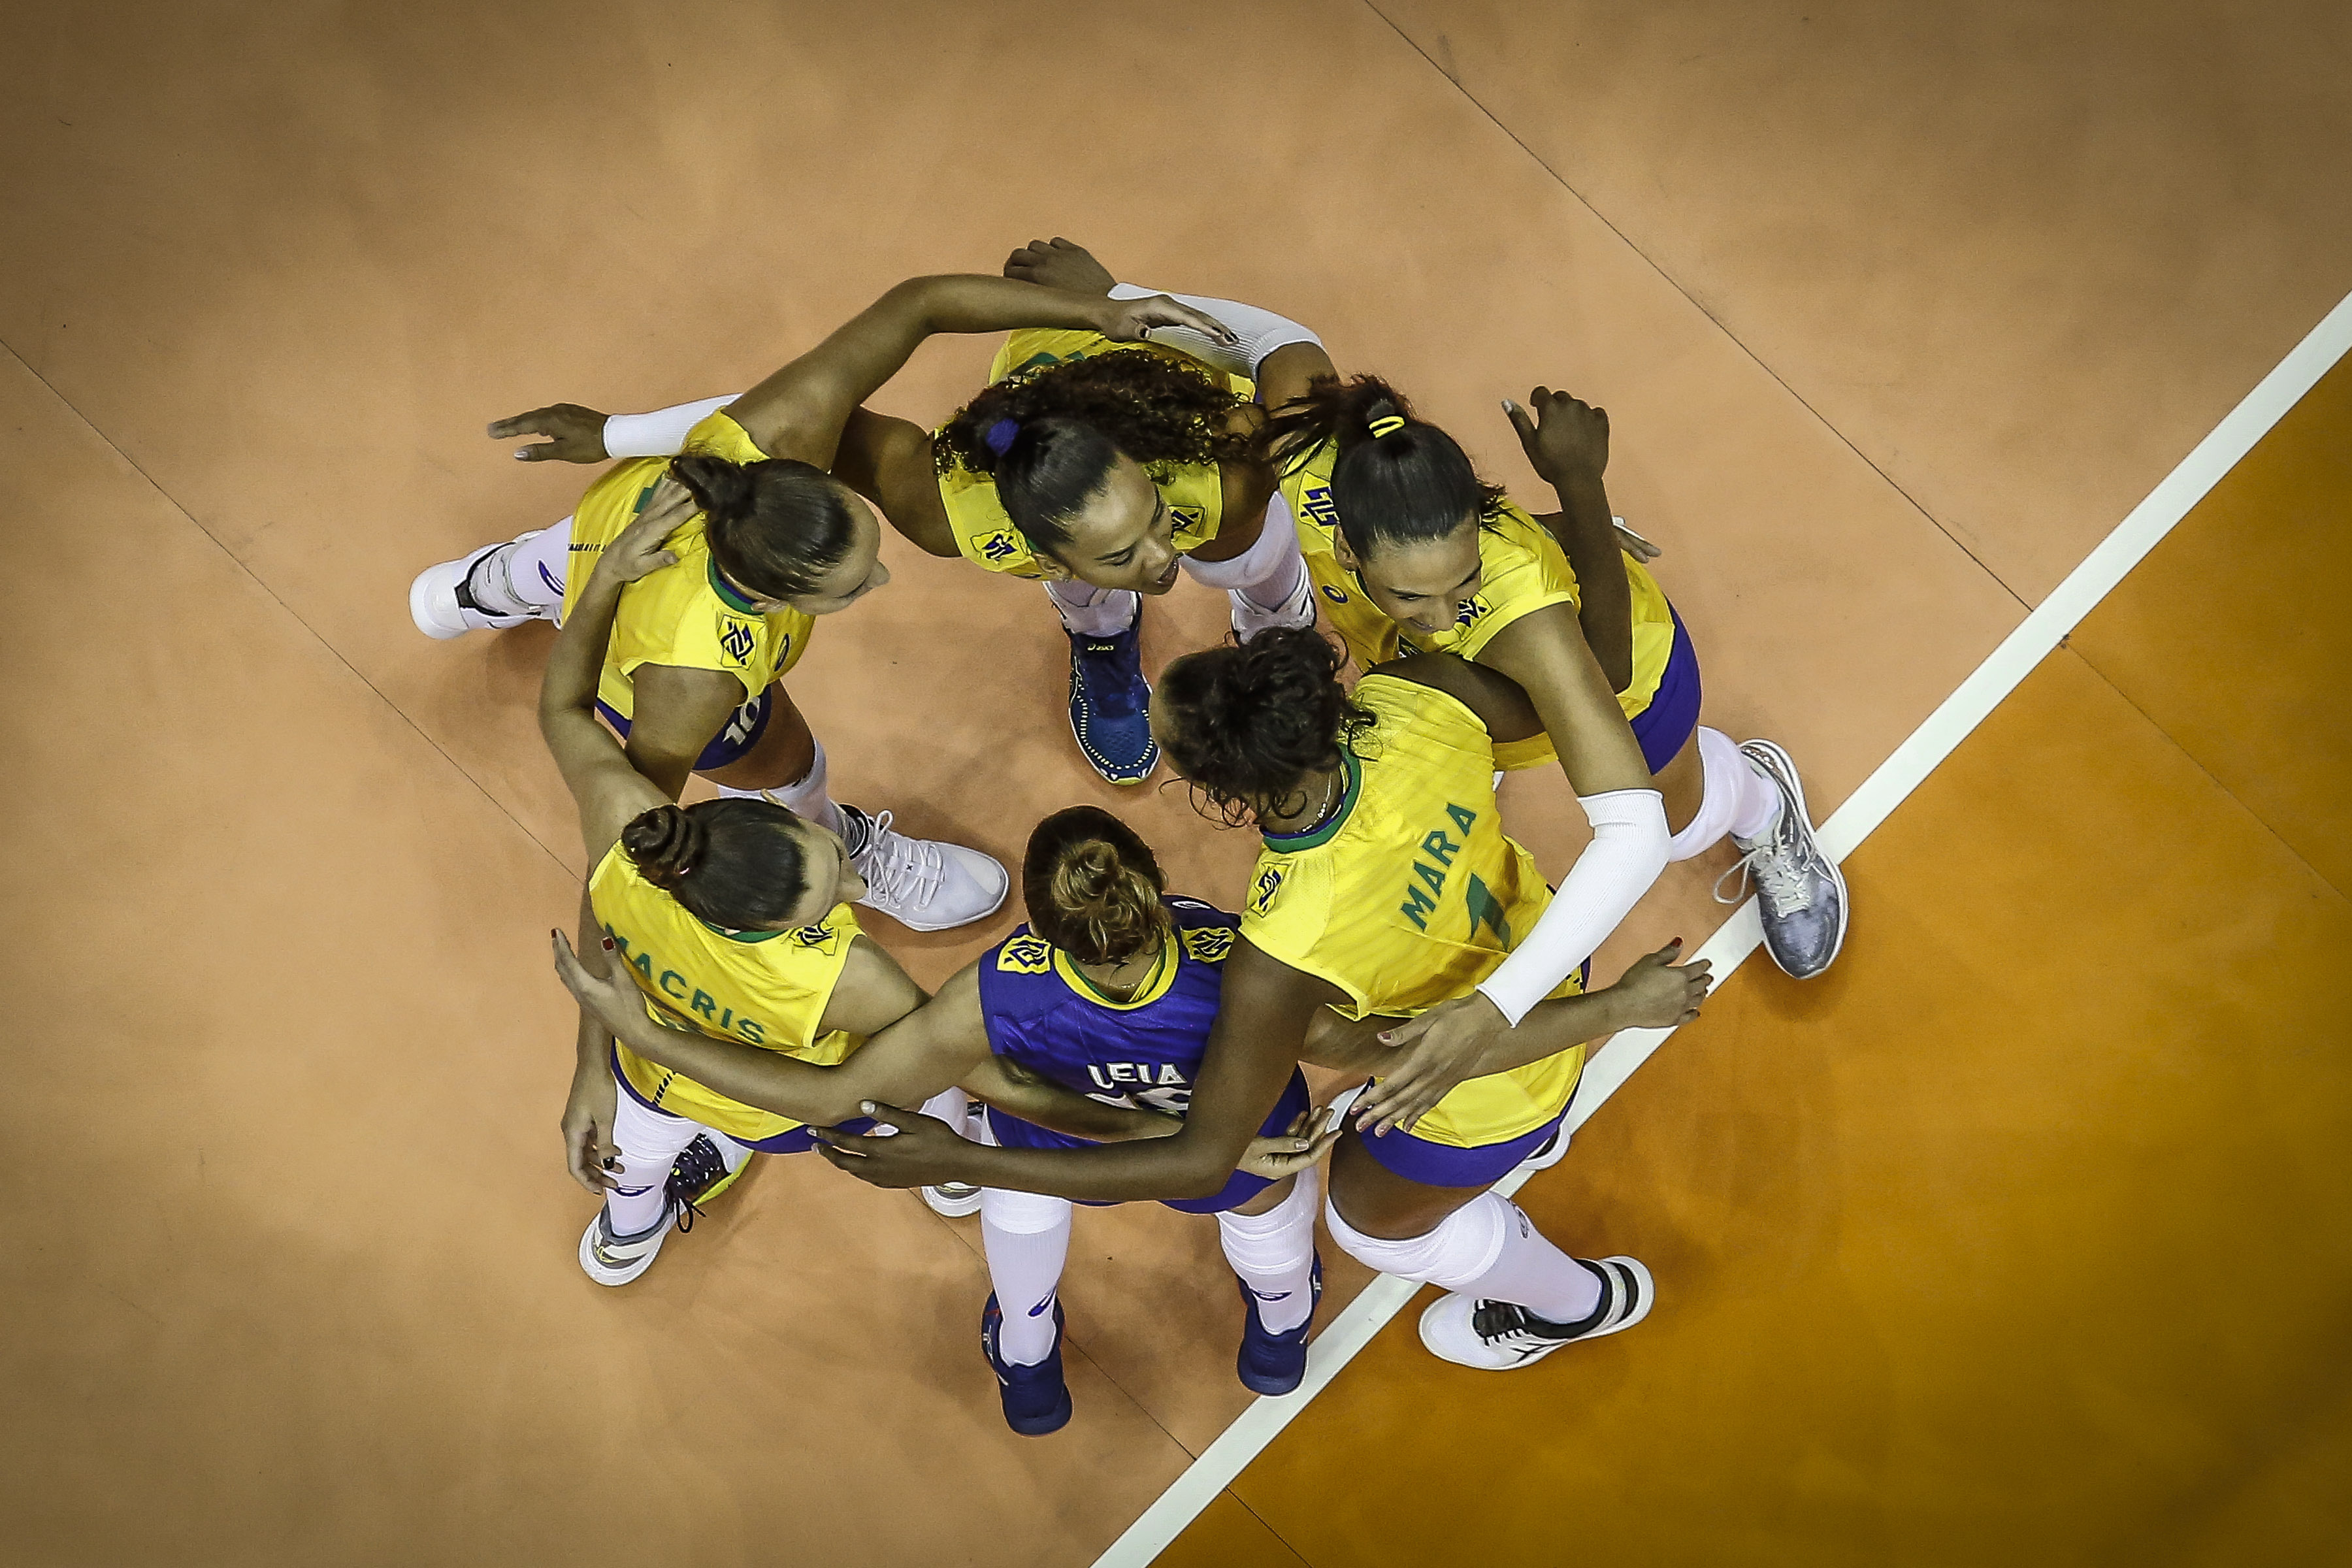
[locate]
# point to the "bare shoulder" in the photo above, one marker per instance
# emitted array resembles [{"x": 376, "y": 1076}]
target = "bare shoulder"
[{"x": 1499, "y": 702}]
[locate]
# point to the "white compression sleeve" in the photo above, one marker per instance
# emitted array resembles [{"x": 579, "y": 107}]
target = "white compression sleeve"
[
  {"x": 661, "y": 433},
  {"x": 1627, "y": 852},
  {"x": 1260, "y": 332}
]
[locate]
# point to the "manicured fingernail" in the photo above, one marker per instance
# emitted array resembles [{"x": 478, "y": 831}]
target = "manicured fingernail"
[
  {"x": 866, "y": 1106},
  {"x": 608, "y": 943}
]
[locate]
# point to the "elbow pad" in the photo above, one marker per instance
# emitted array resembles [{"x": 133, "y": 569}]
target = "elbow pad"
[
  {"x": 1260, "y": 332},
  {"x": 1627, "y": 852},
  {"x": 662, "y": 433}
]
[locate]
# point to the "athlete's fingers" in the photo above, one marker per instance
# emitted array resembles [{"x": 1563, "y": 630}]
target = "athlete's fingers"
[
  {"x": 892, "y": 1116},
  {"x": 538, "y": 422},
  {"x": 1406, "y": 1032},
  {"x": 1520, "y": 421}
]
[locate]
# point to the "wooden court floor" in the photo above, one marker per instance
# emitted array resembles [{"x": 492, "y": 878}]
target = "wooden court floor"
[{"x": 2021, "y": 1228}]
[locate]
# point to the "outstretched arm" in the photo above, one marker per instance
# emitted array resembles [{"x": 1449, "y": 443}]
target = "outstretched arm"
[{"x": 1252, "y": 1051}]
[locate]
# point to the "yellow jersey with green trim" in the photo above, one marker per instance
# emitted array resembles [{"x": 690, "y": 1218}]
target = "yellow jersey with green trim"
[
  {"x": 685, "y": 615},
  {"x": 1522, "y": 569},
  {"x": 1194, "y": 492},
  {"x": 764, "y": 988},
  {"x": 1410, "y": 894}
]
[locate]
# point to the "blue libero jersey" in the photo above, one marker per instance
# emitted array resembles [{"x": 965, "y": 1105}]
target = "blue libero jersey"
[{"x": 1145, "y": 1052}]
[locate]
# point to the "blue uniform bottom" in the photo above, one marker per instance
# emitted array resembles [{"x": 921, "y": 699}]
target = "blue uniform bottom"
[
  {"x": 1445, "y": 1165},
  {"x": 796, "y": 1141},
  {"x": 1015, "y": 1133},
  {"x": 1666, "y": 725},
  {"x": 735, "y": 738}
]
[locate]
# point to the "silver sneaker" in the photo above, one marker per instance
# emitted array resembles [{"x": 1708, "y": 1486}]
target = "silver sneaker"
[
  {"x": 1800, "y": 894},
  {"x": 610, "y": 1260},
  {"x": 924, "y": 884}
]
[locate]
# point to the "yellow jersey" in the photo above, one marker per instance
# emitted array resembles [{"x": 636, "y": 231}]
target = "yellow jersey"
[
  {"x": 685, "y": 615},
  {"x": 764, "y": 988},
  {"x": 1194, "y": 492},
  {"x": 1522, "y": 569},
  {"x": 1410, "y": 895}
]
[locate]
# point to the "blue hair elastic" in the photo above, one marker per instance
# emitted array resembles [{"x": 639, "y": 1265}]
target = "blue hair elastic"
[{"x": 1000, "y": 435}]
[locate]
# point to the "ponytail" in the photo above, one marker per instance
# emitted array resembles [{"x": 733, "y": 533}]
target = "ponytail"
[
  {"x": 1396, "y": 480},
  {"x": 1093, "y": 886},
  {"x": 776, "y": 527}
]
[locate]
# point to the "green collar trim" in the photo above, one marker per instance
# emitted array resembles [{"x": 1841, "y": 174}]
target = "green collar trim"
[
  {"x": 742, "y": 936},
  {"x": 727, "y": 594},
  {"x": 1315, "y": 837}
]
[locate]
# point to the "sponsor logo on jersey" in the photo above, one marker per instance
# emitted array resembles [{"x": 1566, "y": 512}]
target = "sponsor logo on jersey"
[
  {"x": 1337, "y": 596},
  {"x": 1026, "y": 955},
  {"x": 1000, "y": 546},
  {"x": 737, "y": 639},
  {"x": 1209, "y": 943},
  {"x": 1262, "y": 891}
]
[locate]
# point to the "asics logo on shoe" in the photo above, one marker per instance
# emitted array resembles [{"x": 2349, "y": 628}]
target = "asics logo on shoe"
[
  {"x": 1271, "y": 1295},
  {"x": 1042, "y": 1308}
]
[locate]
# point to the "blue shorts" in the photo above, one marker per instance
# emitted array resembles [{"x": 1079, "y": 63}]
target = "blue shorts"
[
  {"x": 796, "y": 1141},
  {"x": 1446, "y": 1165},
  {"x": 1015, "y": 1133},
  {"x": 735, "y": 738},
  {"x": 1666, "y": 725}
]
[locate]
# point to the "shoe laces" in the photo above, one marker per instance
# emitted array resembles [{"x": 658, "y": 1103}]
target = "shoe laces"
[
  {"x": 698, "y": 1168},
  {"x": 1780, "y": 875},
  {"x": 899, "y": 870},
  {"x": 1507, "y": 1323}
]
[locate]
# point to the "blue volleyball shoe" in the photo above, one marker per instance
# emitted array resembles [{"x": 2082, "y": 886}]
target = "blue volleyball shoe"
[
  {"x": 1036, "y": 1400},
  {"x": 1271, "y": 1362},
  {"x": 1110, "y": 703}
]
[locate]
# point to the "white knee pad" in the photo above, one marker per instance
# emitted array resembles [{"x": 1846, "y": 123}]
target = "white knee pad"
[
  {"x": 1022, "y": 1214},
  {"x": 1463, "y": 1247},
  {"x": 1277, "y": 546},
  {"x": 1278, "y": 1238}
]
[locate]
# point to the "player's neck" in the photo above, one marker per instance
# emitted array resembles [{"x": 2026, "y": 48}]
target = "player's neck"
[{"x": 1316, "y": 798}]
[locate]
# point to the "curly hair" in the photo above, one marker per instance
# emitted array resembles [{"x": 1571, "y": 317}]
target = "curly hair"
[
  {"x": 1245, "y": 723},
  {"x": 1397, "y": 480},
  {"x": 1048, "y": 436},
  {"x": 1093, "y": 886}
]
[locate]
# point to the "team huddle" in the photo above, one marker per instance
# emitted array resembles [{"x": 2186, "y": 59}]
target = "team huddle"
[{"x": 1127, "y": 1041}]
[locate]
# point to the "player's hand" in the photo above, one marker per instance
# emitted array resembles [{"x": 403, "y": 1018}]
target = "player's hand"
[
  {"x": 638, "y": 551},
  {"x": 1292, "y": 1151},
  {"x": 1428, "y": 1055},
  {"x": 589, "y": 1152},
  {"x": 1126, "y": 321},
  {"x": 1633, "y": 544},
  {"x": 574, "y": 434},
  {"x": 1563, "y": 437},
  {"x": 609, "y": 997},
  {"x": 922, "y": 1151},
  {"x": 1662, "y": 993},
  {"x": 1059, "y": 263}
]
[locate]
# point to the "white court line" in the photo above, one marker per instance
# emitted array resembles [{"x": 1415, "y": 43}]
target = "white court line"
[{"x": 1869, "y": 805}]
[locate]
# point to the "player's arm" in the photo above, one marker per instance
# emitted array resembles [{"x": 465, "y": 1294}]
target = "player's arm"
[
  {"x": 1013, "y": 1088},
  {"x": 1567, "y": 441},
  {"x": 799, "y": 410},
  {"x": 888, "y": 461},
  {"x": 1252, "y": 1049}
]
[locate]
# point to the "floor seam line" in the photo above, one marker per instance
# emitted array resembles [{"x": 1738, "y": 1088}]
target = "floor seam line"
[
  {"x": 1754, "y": 358},
  {"x": 256, "y": 578},
  {"x": 2211, "y": 777}
]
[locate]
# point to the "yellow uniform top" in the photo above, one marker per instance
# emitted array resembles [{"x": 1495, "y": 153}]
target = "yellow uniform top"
[
  {"x": 684, "y": 615},
  {"x": 1410, "y": 895},
  {"x": 1521, "y": 569},
  {"x": 1194, "y": 492},
  {"x": 766, "y": 988}
]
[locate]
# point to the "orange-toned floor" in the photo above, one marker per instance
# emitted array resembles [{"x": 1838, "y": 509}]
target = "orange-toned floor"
[
  {"x": 296, "y": 1282},
  {"x": 2018, "y": 1237}
]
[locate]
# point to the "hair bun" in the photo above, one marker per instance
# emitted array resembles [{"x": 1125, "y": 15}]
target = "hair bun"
[
  {"x": 665, "y": 844},
  {"x": 721, "y": 488}
]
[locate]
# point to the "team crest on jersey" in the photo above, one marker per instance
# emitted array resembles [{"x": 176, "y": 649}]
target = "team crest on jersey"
[
  {"x": 1470, "y": 611},
  {"x": 1337, "y": 596},
  {"x": 737, "y": 639},
  {"x": 1026, "y": 955},
  {"x": 1209, "y": 943},
  {"x": 1317, "y": 503},
  {"x": 818, "y": 936},
  {"x": 1189, "y": 519},
  {"x": 1262, "y": 891},
  {"x": 1000, "y": 546}
]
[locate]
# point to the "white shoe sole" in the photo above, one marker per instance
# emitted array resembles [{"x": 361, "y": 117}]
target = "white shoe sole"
[
  {"x": 1436, "y": 1311},
  {"x": 618, "y": 1277},
  {"x": 433, "y": 599},
  {"x": 1787, "y": 768},
  {"x": 952, "y": 1208}
]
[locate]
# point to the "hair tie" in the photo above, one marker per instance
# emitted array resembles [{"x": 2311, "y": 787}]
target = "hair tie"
[
  {"x": 1000, "y": 435},
  {"x": 1389, "y": 425}
]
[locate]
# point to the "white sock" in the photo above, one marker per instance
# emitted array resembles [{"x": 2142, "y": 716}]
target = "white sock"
[
  {"x": 525, "y": 578},
  {"x": 805, "y": 797},
  {"x": 1487, "y": 1247},
  {"x": 1736, "y": 799},
  {"x": 1027, "y": 1238},
  {"x": 1092, "y": 612},
  {"x": 649, "y": 1142},
  {"x": 949, "y": 1105},
  {"x": 1273, "y": 1253}
]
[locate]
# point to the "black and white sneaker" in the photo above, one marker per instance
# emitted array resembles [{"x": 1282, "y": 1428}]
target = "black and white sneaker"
[{"x": 1502, "y": 1336}]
